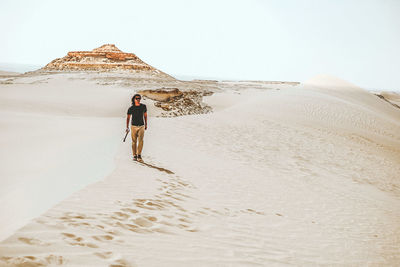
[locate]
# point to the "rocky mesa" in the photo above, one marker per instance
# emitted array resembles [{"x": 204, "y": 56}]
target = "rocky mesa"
[{"x": 104, "y": 58}]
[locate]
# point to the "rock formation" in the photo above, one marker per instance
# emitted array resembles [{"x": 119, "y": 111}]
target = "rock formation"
[
  {"x": 174, "y": 102},
  {"x": 106, "y": 57}
]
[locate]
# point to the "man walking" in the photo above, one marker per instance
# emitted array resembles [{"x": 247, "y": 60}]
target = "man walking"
[{"x": 138, "y": 112}]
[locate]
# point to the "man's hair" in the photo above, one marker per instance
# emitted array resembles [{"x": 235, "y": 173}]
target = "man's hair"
[{"x": 133, "y": 98}]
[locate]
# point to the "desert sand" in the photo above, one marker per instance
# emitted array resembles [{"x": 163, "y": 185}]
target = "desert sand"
[
  {"x": 269, "y": 174},
  {"x": 8, "y": 73}
]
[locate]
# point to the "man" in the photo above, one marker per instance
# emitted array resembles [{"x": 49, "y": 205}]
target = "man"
[{"x": 138, "y": 112}]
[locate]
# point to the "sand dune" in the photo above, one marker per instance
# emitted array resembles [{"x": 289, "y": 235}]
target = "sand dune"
[{"x": 276, "y": 175}]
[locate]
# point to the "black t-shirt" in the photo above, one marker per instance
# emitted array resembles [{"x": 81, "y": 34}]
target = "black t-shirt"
[{"x": 137, "y": 114}]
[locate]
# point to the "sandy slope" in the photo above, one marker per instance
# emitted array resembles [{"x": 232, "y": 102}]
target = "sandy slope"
[{"x": 304, "y": 175}]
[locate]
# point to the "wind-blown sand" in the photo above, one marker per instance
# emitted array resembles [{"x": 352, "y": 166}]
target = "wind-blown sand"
[{"x": 276, "y": 175}]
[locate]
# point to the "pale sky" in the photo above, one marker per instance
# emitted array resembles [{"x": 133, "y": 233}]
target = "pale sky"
[{"x": 289, "y": 40}]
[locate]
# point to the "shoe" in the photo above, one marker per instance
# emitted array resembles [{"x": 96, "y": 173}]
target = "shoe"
[
  {"x": 135, "y": 157},
  {"x": 139, "y": 158}
]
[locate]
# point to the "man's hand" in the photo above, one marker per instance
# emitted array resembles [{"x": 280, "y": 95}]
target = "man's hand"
[
  {"x": 127, "y": 129},
  {"x": 145, "y": 127}
]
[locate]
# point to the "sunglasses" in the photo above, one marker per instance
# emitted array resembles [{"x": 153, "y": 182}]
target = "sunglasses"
[{"x": 137, "y": 98}]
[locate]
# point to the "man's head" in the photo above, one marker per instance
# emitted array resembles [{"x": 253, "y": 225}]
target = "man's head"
[{"x": 136, "y": 98}]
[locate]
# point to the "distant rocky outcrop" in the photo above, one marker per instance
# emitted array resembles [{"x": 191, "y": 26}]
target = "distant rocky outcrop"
[
  {"x": 174, "y": 102},
  {"x": 104, "y": 58}
]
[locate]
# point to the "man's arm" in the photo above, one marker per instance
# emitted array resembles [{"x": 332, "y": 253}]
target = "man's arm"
[
  {"x": 145, "y": 120},
  {"x": 128, "y": 119}
]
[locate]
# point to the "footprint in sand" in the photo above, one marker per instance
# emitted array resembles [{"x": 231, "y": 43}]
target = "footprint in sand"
[
  {"x": 161, "y": 230},
  {"x": 151, "y": 218},
  {"x": 154, "y": 204},
  {"x": 183, "y": 226},
  {"x": 143, "y": 222},
  {"x": 121, "y": 215},
  {"x": 72, "y": 215},
  {"x": 103, "y": 237},
  {"x": 130, "y": 210},
  {"x": 135, "y": 228},
  {"x": 32, "y": 241},
  {"x": 252, "y": 211},
  {"x": 183, "y": 195},
  {"x": 104, "y": 255},
  {"x": 77, "y": 241},
  {"x": 68, "y": 235},
  {"x": 185, "y": 220},
  {"x": 121, "y": 263},
  {"x": 183, "y": 183}
]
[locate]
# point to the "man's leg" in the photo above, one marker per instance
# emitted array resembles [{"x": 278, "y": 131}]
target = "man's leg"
[
  {"x": 134, "y": 134},
  {"x": 140, "y": 140}
]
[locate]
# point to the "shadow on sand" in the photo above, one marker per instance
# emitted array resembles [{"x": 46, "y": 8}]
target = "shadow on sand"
[{"x": 155, "y": 167}]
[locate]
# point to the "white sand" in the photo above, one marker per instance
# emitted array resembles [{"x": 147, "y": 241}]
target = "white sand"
[{"x": 305, "y": 175}]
